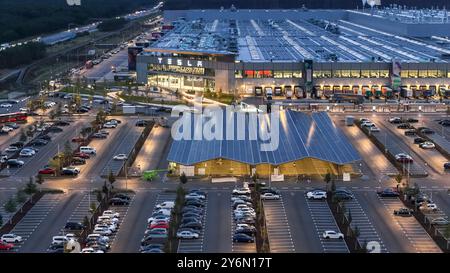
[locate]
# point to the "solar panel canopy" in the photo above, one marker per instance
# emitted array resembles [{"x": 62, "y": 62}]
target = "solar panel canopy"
[{"x": 300, "y": 136}]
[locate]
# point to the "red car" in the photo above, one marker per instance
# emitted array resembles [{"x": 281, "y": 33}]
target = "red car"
[
  {"x": 5, "y": 246},
  {"x": 82, "y": 155},
  {"x": 47, "y": 171},
  {"x": 166, "y": 226},
  {"x": 77, "y": 139}
]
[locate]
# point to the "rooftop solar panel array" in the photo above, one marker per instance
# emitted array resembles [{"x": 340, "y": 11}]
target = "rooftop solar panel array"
[
  {"x": 296, "y": 40},
  {"x": 300, "y": 136}
]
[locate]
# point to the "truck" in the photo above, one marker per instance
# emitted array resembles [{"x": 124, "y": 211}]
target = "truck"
[
  {"x": 268, "y": 93},
  {"x": 278, "y": 91},
  {"x": 349, "y": 120},
  {"x": 258, "y": 91},
  {"x": 298, "y": 91}
]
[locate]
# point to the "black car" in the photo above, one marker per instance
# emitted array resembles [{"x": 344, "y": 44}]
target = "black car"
[
  {"x": 194, "y": 203},
  {"x": 404, "y": 126},
  {"x": 412, "y": 120},
  {"x": 404, "y": 212},
  {"x": 419, "y": 140},
  {"x": 388, "y": 193},
  {"x": 18, "y": 144},
  {"x": 445, "y": 123},
  {"x": 246, "y": 220},
  {"x": 54, "y": 129},
  {"x": 151, "y": 246},
  {"x": 45, "y": 137},
  {"x": 191, "y": 220},
  {"x": 82, "y": 110},
  {"x": 243, "y": 238},
  {"x": 191, "y": 214},
  {"x": 118, "y": 202},
  {"x": 194, "y": 225},
  {"x": 99, "y": 135},
  {"x": 122, "y": 196},
  {"x": 61, "y": 123},
  {"x": 427, "y": 131},
  {"x": 78, "y": 161},
  {"x": 342, "y": 196},
  {"x": 74, "y": 226},
  {"x": 193, "y": 210},
  {"x": 198, "y": 192},
  {"x": 69, "y": 172},
  {"x": 14, "y": 163},
  {"x": 410, "y": 132},
  {"x": 447, "y": 166},
  {"x": 141, "y": 123},
  {"x": 39, "y": 142},
  {"x": 247, "y": 231}
]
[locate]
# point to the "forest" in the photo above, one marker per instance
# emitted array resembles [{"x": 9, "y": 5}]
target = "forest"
[{"x": 24, "y": 18}]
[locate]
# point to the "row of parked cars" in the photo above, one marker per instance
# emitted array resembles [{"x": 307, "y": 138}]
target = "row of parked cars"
[
  {"x": 366, "y": 123},
  {"x": 7, "y": 241},
  {"x": 321, "y": 194},
  {"x": 244, "y": 215}
]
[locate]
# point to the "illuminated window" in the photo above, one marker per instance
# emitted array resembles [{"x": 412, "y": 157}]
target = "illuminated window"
[
  {"x": 287, "y": 74},
  {"x": 432, "y": 73},
  {"x": 365, "y": 73},
  {"x": 238, "y": 74},
  {"x": 441, "y": 74},
  {"x": 374, "y": 74},
  {"x": 336, "y": 73},
  {"x": 278, "y": 74},
  {"x": 326, "y": 73},
  {"x": 423, "y": 73},
  {"x": 404, "y": 74},
  {"x": 317, "y": 74},
  {"x": 448, "y": 74},
  {"x": 384, "y": 73},
  {"x": 355, "y": 73},
  {"x": 345, "y": 73},
  {"x": 413, "y": 73},
  {"x": 297, "y": 74}
]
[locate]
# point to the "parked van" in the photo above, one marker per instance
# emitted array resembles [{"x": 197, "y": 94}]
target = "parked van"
[{"x": 87, "y": 150}]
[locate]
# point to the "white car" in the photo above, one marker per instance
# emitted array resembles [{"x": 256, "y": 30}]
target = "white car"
[
  {"x": 440, "y": 221},
  {"x": 428, "y": 206},
  {"x": 23, "y": 110},
  {"x": 246, "y": 209},
  {"x": 394, "y": 119},
  {"x": 374, "y": 129},
  {"x": 102, "y": 231},
  {"x": 316, "y": 195},
  {"x": 11, "y": 238},
  {"x": 368, "y": 124},
  {"x": 11, "y": 149},
  {"x": 91, "y": 250},
  {"x": 5, "y": 105},
  {"x": 194, "y": 195},
  {"x": 158, "y": 217},
  {"x": 244, "y": 226},
  {"x": 107, "y": 218},
  {"x": 111, "y": 214},
  {"x": 269, "y": 196},
  {"x": 27, "y": 153},
  {"x": 120, "y": 157},
  {"x": 57, "y": 240},
  {"x": 110, "y": 226},
  {"x": 7, "y": 129},
  {"x": 109, "y": 125},
  {"x": 71, "y": 236},
  {"x": 161, "y": 211},
  {"x": 427, "y": 145},
  {"x": 96, "y": 236},
  {"x": 166, "y": 205},
  {"x": 241, "y": 191},
  {"x": 331, "y": 234},
  {"x": 187, "y": 235}
]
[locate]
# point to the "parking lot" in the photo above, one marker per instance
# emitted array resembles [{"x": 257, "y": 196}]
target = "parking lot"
[
  {"x": 278, "y": 228},
  {"x": 195, "y": 245},
  {"x": 323, "y": 220},
  {"x": 368, "y": 233},
  {"x": 415, "y": 233},
  {"x": 35, "y": 217}
]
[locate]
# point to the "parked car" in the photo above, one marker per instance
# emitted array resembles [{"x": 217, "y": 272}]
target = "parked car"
[
  {"x": 395, "y": 120},
  {"x": 242, "y": 238},
  {"x": 447, "y": 166},
  {"x": 404, "y": 158},
  {"x": 243, "y": 191},
  {"x": 47, "y": 171},
  {"x": 410, "y": 132},
  {"x": 39, "y": 142},
  {"x": 11, "y": 238},
  {"x": 405, "y": 126},
  {"x": 388, "y": 193},
  {"x": 331, "y": 234},
  {"x": 99, "y": 135},
  {"x": 419, "y": 140},
  {"x": 440, "y": 221},
  {"x": 70, "y": 171},
  {"x": 187, "y": 235},
  {"x": 193, "y": 225},
  {"x": 118, "y": 202},
  {"x": 82, "y": 155},
  {"x": 15, "y": 163},
  {"x": 427, "y": 131},
  {"x": 109, "y": 125},
  {"x": 122, "y": 196},
  {"x": 141, "y": 123},
  {"x": 74, "y": 226},
  {"x": 317, "y": 195},
  {"x": 61, "y": 123},
  {"x": 54, "y": 129},
  {"x": 11, "y": 149},
  {"x": 120, "y": 157},
  {"x": 111, "y": 213},
  {"x": 342, "y": 196},
  {"x": 412, "y": 120},
  {"x": 427, "y": 145},
  {"x": 78, "y": 161},
  {"x": 405, "y": 212},
  {"x": 428, "y": 207},
  {"x": 6, "y": 246}
]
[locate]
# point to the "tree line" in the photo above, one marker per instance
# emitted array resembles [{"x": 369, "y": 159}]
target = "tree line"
[
  {"x": 25, "y": 18},
  {"x": 15, "y": 56}
]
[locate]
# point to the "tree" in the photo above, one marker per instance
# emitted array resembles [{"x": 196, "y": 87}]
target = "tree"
[
  {"x": 105, "y": 188},
  {"x": 183, "y": 178},
  {"x": 111, "y": 178},
  {"x": 23, "y": 136},
  {"x": 1, "y": 220},
  {"x": 356, "y": 234},
  {"x": 333, "y": 186},
  {"x": 30, "y": 187},
  {"x": 39, "y": 179},
  {"x": 447, "y": 232},
  {"x": 327, "y": 179},
  {"x": 20, "y": 196},
  {"x": 349, "y": 217},
  {"x": 93, "y": 207},
  {"x": 67, "y": 154},
  {"x": 86, "y": 222},
  {"x": 52, "y": 115},
  {"x": 10, "y": 206},
  {"x": 99, "y": 196},
  {"x": 399, "y": 178}
]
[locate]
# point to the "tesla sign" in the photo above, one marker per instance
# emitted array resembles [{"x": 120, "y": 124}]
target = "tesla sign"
[{"x": 181, "y": 62}]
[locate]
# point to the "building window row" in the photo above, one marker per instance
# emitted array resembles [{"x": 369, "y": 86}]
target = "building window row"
[
  {"x": 320, "y": 74},
  {"x": 424, "y": 74},
  {"x": 259, "y": 74}
]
